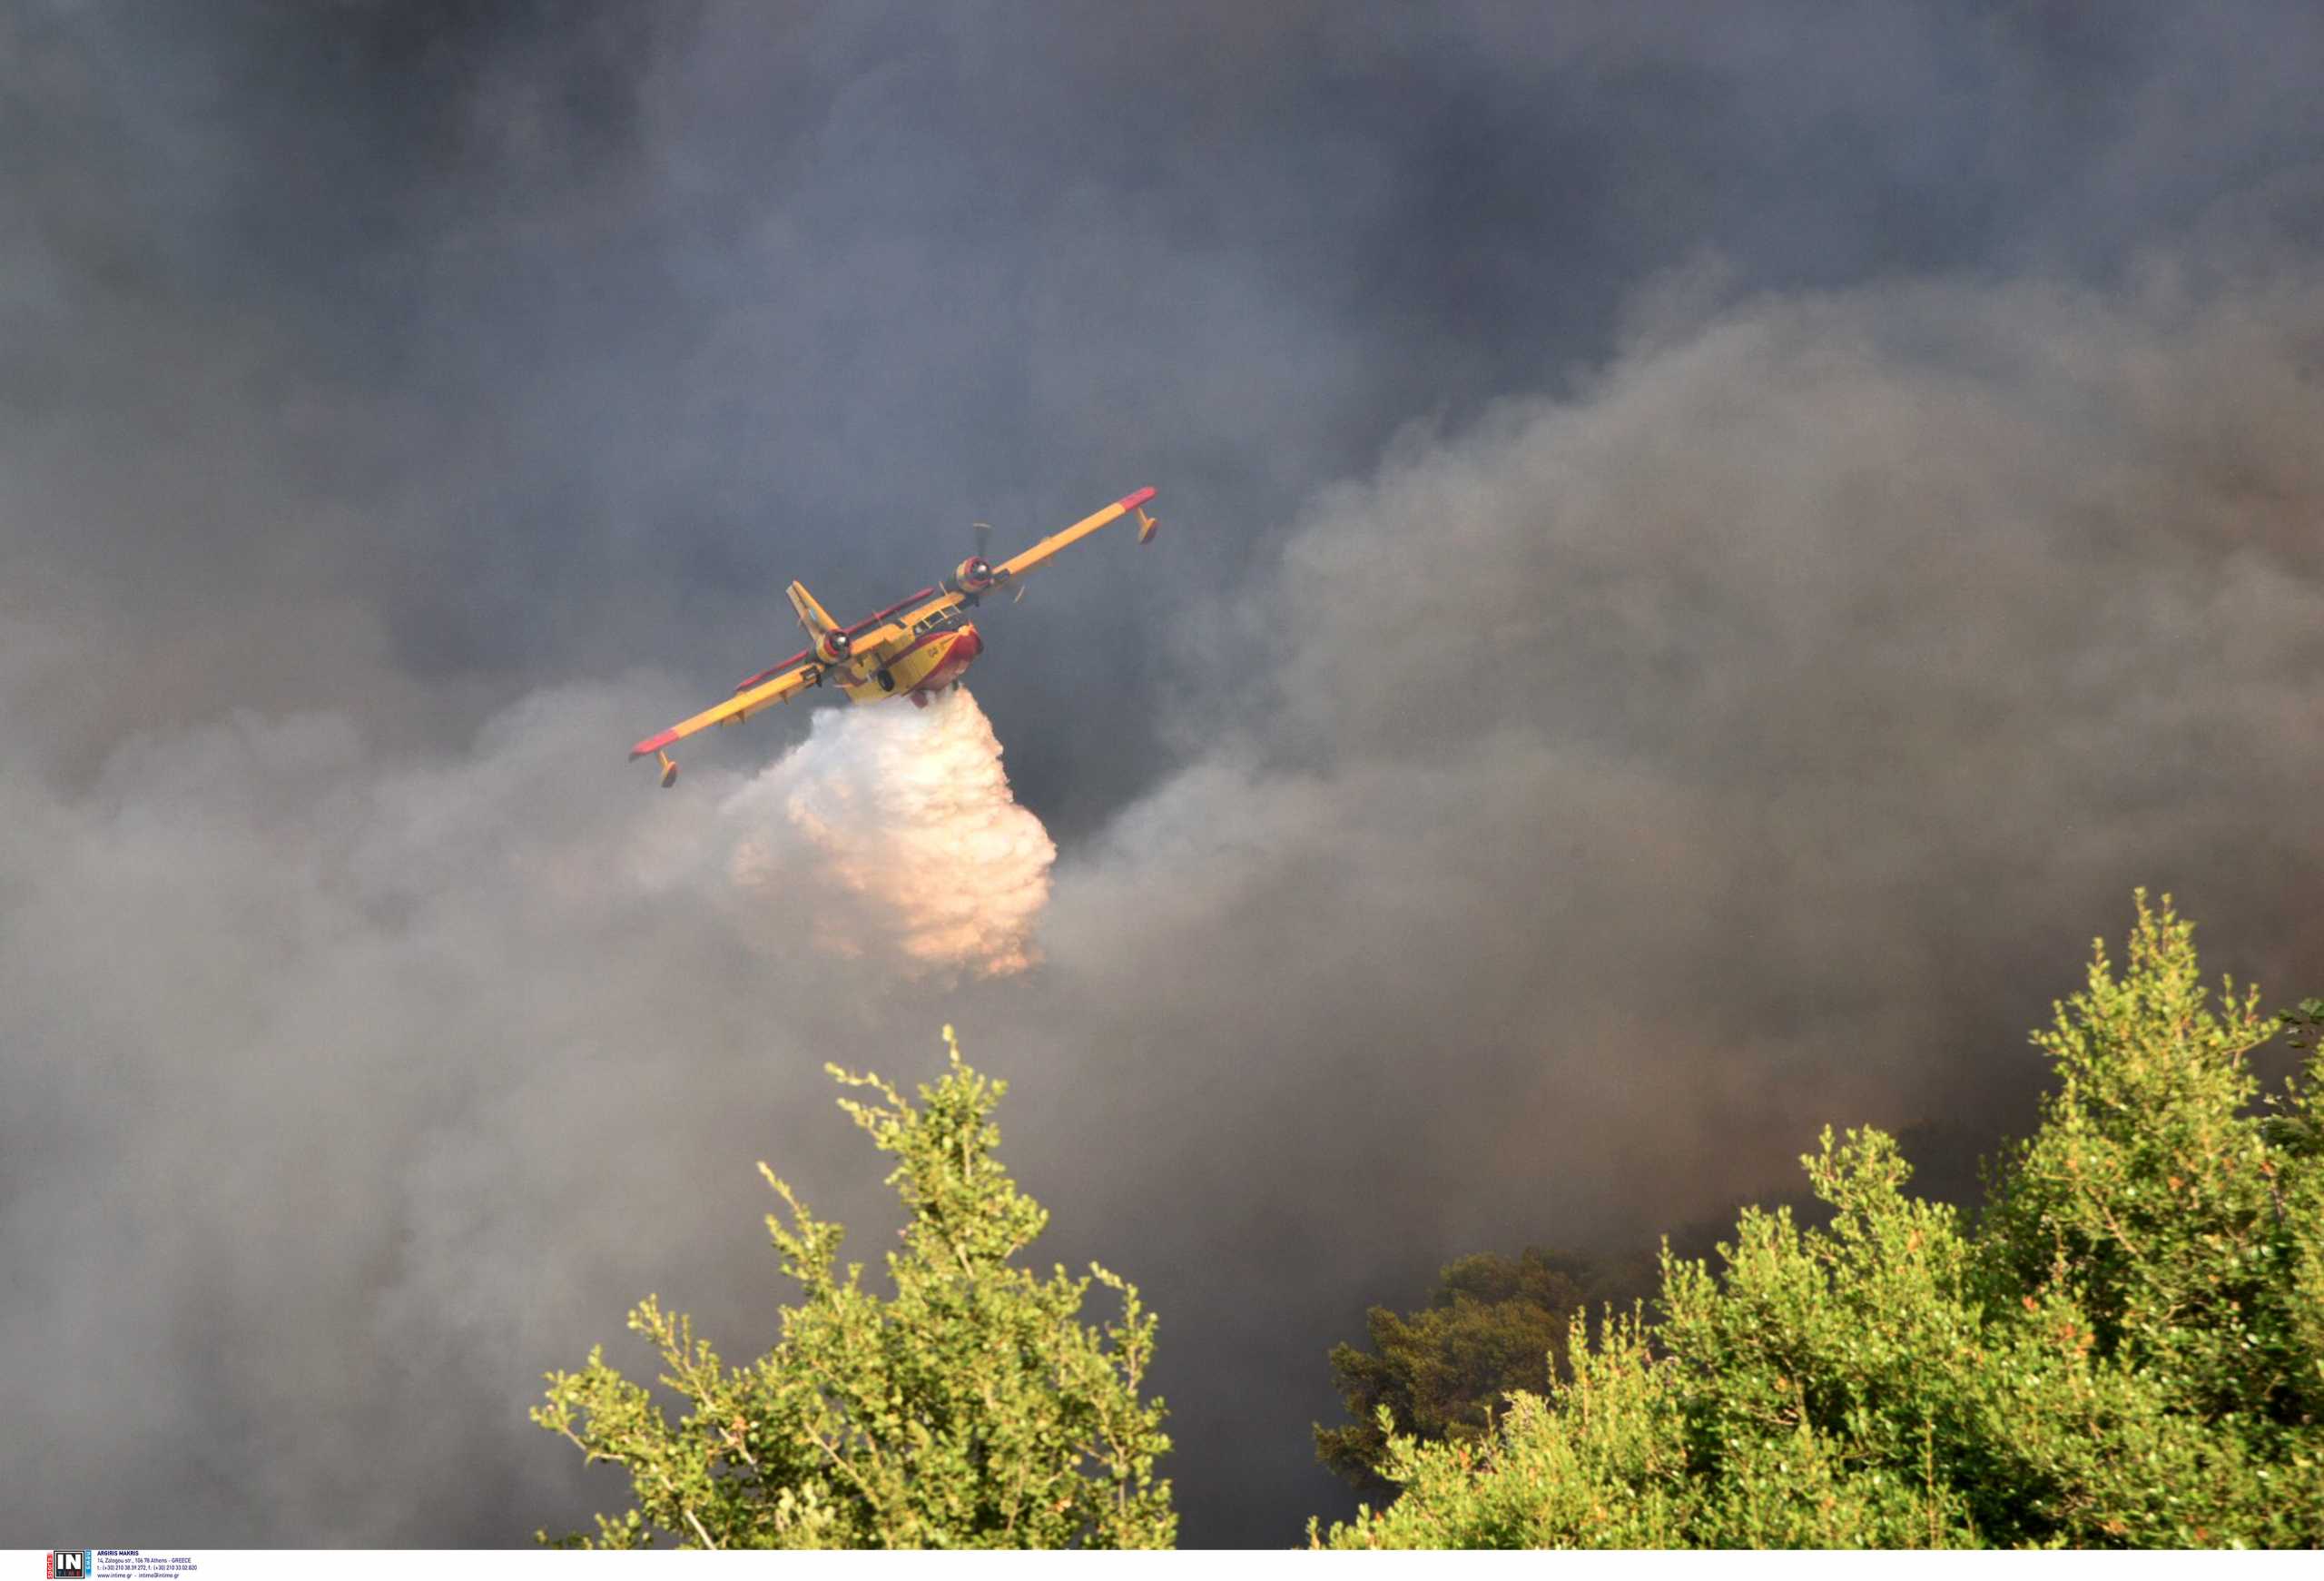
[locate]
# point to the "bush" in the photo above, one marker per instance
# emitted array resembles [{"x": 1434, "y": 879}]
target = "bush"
[
  {"x": 2128, "y": 1350},
  {"x": 973, "y": 1409}
]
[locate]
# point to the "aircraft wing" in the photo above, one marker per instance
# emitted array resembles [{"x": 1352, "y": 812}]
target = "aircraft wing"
[
  {"x": 874, "y": 643},
  {"x": 1016, "y": 566},
  {"x": 736, "y": 708}
]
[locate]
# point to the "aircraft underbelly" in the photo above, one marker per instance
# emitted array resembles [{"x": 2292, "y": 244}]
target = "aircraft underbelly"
[{"x": 933, "y": 663}]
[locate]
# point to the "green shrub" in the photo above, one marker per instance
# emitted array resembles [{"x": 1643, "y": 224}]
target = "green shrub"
[
  {"x": 2128, "y": 1350},
  {"x": 973, "y": 1409}
]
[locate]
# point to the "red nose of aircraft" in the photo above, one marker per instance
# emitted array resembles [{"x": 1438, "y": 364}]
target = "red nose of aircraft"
[{"x": 962, "y": 652}]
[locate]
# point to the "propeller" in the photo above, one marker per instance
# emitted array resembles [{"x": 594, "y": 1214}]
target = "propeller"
[{"x": 974, "y": 575}]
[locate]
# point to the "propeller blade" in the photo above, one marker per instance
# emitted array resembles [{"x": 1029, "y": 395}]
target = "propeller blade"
[{"x": 984, "y": 539}]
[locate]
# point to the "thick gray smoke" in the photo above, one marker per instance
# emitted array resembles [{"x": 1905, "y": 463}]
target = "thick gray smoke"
[{"x": 1706, "y": 554}]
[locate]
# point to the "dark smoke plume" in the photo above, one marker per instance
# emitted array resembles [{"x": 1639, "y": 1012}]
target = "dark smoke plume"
[{"x": 1705, "y": 551}]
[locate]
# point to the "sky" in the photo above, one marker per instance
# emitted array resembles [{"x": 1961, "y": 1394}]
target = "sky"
[{"x": 1707, "y": 550}]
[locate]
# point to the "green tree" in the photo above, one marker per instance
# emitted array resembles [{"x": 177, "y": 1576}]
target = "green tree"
[
  {"x": 973, "y": 1409},
  {"x": 1495, "y": 1324},
  {"x": 2128, "y": 1350}
]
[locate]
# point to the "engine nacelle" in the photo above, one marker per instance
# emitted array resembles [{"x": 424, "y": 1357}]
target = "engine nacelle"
[
  {"x": 973, "y": 575},
  {"x": 833, "y": 647}
]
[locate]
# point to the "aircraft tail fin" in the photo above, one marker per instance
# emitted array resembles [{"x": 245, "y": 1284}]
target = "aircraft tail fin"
[{"x": 811, "y": 615}]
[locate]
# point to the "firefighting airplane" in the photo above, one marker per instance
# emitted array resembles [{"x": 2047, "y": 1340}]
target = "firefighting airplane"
[{"x": 915, "y": 648}]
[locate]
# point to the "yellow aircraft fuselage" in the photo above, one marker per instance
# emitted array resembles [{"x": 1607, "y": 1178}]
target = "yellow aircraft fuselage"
[{"x": 935, "y": 660}]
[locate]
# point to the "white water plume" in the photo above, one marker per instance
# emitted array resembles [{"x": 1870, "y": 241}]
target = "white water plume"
[{"x": 894, "y": 834}]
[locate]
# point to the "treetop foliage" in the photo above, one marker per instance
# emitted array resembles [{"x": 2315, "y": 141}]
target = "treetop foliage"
[
  {"x": 1495, "y": 1324},
  {"x": 2127, "y": 1349},
  {"x": 2124, "y": 1348},
  {"x": 972, "y": 1409}
]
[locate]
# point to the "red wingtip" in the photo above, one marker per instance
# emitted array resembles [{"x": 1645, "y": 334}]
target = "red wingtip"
[
  {"x": 1132, "y": 501},
  {"x": 654, "y": 744}
]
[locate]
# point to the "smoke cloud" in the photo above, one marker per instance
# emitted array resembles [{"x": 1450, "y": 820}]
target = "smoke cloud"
[{"x": 1707, "y": 550}]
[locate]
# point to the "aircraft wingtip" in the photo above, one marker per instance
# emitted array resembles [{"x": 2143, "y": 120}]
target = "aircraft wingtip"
[
  {"x": 1132, "y": 501},
  {"x": 653, "y": 743}
]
